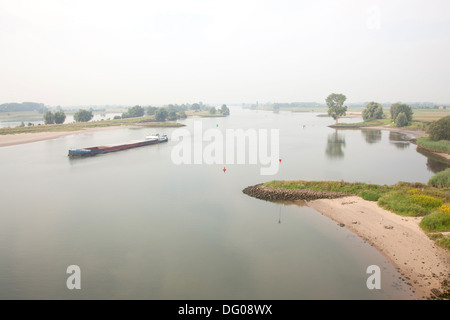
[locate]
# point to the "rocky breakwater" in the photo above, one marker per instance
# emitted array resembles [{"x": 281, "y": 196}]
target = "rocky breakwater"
[{"x": 278, "y": 194}]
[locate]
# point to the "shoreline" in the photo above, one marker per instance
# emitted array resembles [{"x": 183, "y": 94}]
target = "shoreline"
[
  {"x": 400, "y": 239},
  {"x": 422, "y": 263},
  {"x": 23, "y": 138}
]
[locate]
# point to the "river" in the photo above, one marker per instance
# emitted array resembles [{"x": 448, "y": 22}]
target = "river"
[{"x": 139, "y": 226}]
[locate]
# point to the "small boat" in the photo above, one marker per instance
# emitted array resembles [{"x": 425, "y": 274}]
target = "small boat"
[{"x": 92, "y": 151}]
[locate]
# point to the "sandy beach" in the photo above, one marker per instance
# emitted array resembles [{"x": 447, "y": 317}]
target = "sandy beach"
[
  {"x": 400, "y": 239},
  {"x": 21, "y": 138}
]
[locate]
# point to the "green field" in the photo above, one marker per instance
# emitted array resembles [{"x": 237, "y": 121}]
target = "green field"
[{"x": 429, "y": 115}]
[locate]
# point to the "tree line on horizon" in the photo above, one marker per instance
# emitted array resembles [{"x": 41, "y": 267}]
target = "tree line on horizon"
[
  {"x": 171, "y": 112},
  {"x": 23, "y": 107}
]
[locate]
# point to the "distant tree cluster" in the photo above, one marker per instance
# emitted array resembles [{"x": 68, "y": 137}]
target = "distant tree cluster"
[
  {"x": 161, "y": 114},
  {"x": 134, "y": 112},
  {"x": 225, "y": 110},
  {"x": 401, "y": 114},
  {"x": 83, "y": 115},
  {"x": 58, "y": 117},
  {"x": 173, "y": 112},
  {"x": 24, "y": 106},
  {"x": 372, "y": 111}
]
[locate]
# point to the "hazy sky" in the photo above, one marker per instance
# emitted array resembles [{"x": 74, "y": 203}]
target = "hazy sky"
[{"x": 157, "y": 52}]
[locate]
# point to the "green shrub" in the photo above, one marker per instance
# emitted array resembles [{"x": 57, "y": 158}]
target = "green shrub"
[
  {"x": 401, "y": 120},
  {"x": 440, "y": 129},
  {"x": 49, "y": 118},
  {"x": 444, "y": 242},
  {"x": 401, "y": 203},
  {"x": 436, "y": 221},
  {"x": 398, "y": 108},
  {"x": 373, "y": 110},
  {"x": 370, "y": 195},
  {"x": 440, "y": 179}
]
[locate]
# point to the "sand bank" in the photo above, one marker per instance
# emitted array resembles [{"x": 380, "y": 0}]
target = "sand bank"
[
  {"x": 400, "y": 239},
  {"x": 21, "y": 138}
]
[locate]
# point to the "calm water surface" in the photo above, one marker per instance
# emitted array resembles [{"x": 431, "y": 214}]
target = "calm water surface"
[{"x": 141, "y": 227}]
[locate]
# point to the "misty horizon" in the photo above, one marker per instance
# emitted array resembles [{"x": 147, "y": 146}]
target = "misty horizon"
[{"x": 145, "y": 52}]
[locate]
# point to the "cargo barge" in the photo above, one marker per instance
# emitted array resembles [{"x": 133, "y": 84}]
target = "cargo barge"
[{"x": 92, "y": 151}]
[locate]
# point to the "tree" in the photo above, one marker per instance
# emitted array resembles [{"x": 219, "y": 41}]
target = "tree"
[
  {"x": 371, "y": 136},
  {"x": 134, "y": 112},
  {"x": 224, "y": 110},
  {"x": 161, "y": 115},
  {"x": 49, "y": 118},
  {"x": 195, "y": 107},
  {"x": 440, "y": 129},
  {"x": 60, "y": 117},
  {"x": 83, "y": 115},
  {"x": 151, "y": 110},
  {"x": 373, "y": 110},
  {"x": 335, "y": 103},
  {"x": 398, "y": 107},
  {"x": 172, "y": 116},
  {"x": 212, "y": 110},
  {"x": 182, "y": 114},
  {"x": 401, "y": 120}
]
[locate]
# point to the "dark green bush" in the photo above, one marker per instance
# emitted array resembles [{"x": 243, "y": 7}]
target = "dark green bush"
[
  {"x": 401, "y": 120},
  {"x": 440, "y": 179},
  {"x": 370, "y": 195},
  {"x": 373, "y": 110},
  {"x": 436, "y": 221},
  {"x": 398, "y": 108},
  {"x": 440, "y": 129}
]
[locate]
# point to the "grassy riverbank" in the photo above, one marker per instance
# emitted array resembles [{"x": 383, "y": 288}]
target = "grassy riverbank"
[
  {"x": 147, "y": 121},
  {"x": 406, "y": 199},
  {"x": 436, "y": 146}
]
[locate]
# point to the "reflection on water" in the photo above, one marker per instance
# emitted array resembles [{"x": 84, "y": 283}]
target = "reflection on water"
[
  {"x": 398, "y": 139},
  {"x": 335, "y": 145},
  {"x": 285, "y": 203},
  {"x": 371, "y": 135},
  {"x": 434, "y": 163}
]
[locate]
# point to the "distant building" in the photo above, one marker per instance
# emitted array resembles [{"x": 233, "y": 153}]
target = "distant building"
[{"x": 442, "y": 107}]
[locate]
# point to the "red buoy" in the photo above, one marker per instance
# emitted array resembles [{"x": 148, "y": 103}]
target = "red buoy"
[
  {"x": 279, "y": 160},
  {"x": 224, "y": 169}
]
